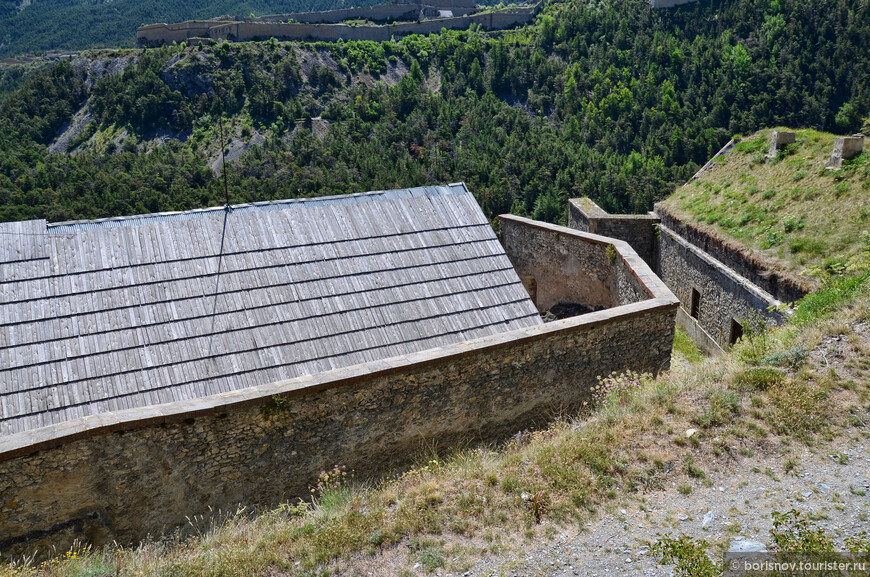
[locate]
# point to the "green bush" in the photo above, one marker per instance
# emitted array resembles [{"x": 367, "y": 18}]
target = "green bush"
[{"x": 816, "y": 306}]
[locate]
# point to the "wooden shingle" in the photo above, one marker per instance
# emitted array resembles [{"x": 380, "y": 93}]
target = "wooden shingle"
[{"x": 125, "y": 313}]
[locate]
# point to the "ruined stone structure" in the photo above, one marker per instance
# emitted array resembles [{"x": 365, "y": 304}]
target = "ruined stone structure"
[
  {"x": 637, "y": 230},
  {"x": 325, "y": 26},
  {"x": 778, "y": 140},
  {"x": 719, "y": 286},
  {"x": 256, "y": 431},
  {"x": 846, "y": 147}
]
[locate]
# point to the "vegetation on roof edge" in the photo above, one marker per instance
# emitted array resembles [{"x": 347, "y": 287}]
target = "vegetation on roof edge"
[{"x": 791, "y": 208}]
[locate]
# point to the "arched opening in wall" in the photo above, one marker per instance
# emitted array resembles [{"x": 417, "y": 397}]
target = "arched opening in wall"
[
  {"x": 735, "y": 333},
  {"x": 695, "y": 306},
  {"x": 532, "y": 288}
]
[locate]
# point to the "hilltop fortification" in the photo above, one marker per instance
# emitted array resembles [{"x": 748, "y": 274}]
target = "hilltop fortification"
[{"x": 385, "y": 21}]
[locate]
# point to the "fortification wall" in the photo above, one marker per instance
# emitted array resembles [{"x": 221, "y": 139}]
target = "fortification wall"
[
  {"x": 572, "y": 266},
  {"x": 710, "y": 293},
  {"x": 377, "y": 13},
  {"x": 669, "y": 3},
  {"x": 783, "y": 286},
  {"x": 637, "y": 230},
  {"x": 124, "y": 475},
  {"x": 157, "y": 34}
]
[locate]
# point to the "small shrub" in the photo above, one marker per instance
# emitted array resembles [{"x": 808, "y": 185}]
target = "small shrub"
[
  {"x": 791, "y": 224},
  {"x": 692, "y": 469},
  {"x": 757, "y": 378},
  {"x": 791, "y": 358},
  {"x": 798, "y": 407},
  {"x": 432, "y": 558},
  {"x": 684, "y": 489},
  {"x": 722, "y": 405},
  {"x": 689, "y": 556},
  {"x": 755, "y": 343}
]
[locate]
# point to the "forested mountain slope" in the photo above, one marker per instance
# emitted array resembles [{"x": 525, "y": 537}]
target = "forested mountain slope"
[
  {"x": 611, "y": 99},
  {"x": 33, "y": 26}
]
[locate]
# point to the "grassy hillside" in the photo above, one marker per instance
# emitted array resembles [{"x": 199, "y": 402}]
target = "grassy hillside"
[
  {"x": 791, "y": 208},
  {"x": 806, "y": 385}
]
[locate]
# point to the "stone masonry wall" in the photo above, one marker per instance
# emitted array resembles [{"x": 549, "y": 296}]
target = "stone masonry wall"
[
  {"x": 574, "y": 266},
  {"x": 783, "y": 286},
  {"x": 122, "y": 476},
  {"x": 638, "y": 230},
  {"x": 130, "y": 475},
  {"x": 724, "y": 295}
]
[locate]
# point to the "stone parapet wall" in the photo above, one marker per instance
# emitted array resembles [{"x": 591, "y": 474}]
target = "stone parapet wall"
[
  {"x": 724, "y": 297},
  {"x": 782, "y": 285},
  {"x": 638, "y": 230},
  {"x": 573, "y": 266},
  {"x": 377, "y": 13},
  {"x": 124, "y": 475}
]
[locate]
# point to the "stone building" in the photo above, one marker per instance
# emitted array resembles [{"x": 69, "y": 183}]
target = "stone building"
[
  {"x": 160, "y": 366},
  {"x": 720, "y": 287}
]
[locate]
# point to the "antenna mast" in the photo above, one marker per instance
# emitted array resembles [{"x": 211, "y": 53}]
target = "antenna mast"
[{"x": 227, "y": 211}]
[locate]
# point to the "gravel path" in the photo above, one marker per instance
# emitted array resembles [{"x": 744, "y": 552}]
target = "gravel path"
[{"x": 737, "y": 505}]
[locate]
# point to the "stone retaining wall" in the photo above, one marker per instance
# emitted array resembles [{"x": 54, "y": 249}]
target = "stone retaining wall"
[
  {"x": 157, "y": 34},
  {"x": 779, "y": 283},
  {"x": 723, "y": 297}
]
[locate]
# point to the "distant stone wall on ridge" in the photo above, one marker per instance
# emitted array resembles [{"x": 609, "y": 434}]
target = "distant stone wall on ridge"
[{"x": 159, "y": 34}]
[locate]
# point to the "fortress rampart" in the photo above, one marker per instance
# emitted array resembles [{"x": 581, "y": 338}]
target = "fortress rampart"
[
  {"x": 158, "y": 34},
  {"x": 124, "y": 475},
  {"x": 719, "y": 287}
]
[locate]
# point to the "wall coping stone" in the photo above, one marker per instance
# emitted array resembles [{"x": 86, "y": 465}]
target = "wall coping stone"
[{"x": 588, "y": 207}]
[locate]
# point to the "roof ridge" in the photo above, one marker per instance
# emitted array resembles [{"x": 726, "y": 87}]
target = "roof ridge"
[{"x": 431, "y": 190}]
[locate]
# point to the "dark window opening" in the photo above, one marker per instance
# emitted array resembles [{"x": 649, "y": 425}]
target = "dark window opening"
[
  {"x": 736, "y": 332},
  {"x": 696, "y": 304}
]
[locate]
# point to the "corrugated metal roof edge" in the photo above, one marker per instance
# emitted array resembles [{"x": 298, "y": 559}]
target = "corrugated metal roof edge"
[{"x": 457, "y": 188}]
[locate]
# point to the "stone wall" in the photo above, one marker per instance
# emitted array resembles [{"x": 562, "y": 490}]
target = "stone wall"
[
  {"x": 782, "y": 285},
  {"x": 376, "y": 13},
  {"x": 638, "y": 230},
  {"x": 568, "y": 265},
  {"x": 124, "y": 475},
  {"x": 723, "y": 297},
  {"x": 157, "y": 34}
]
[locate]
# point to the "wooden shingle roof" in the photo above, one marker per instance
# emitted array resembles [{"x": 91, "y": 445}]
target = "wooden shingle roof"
[{"x": 122, "y": 313}]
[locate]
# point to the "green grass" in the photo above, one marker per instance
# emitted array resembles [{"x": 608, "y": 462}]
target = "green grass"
[
  {"x": 822, "y": 303},
  {"x": 802, "y": 217},
  {"x": 685, "y": 346}
]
